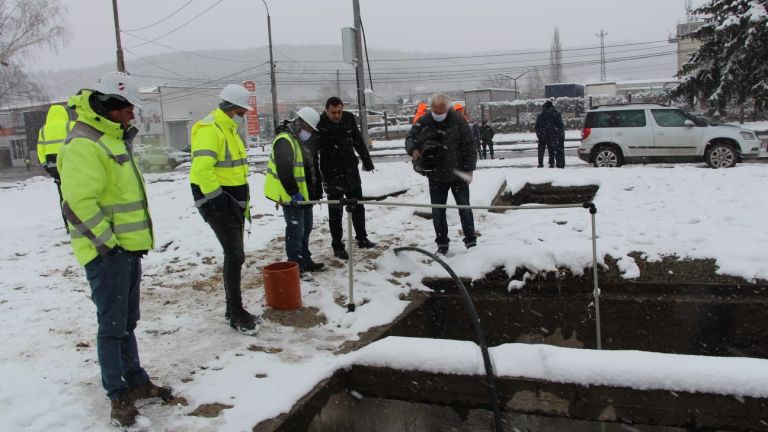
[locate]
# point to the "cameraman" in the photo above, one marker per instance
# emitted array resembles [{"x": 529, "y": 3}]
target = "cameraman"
[{"x": 442, "y": 148}]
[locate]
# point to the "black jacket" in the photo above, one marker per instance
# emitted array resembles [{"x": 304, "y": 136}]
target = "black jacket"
[
  {"x": 486, "y": 133},
  {"x": 450, "y": 142},
  {"x": 337, "y": 146},
  {"x": 549, "y": 126},
  {"x": 284, "y": 164}
]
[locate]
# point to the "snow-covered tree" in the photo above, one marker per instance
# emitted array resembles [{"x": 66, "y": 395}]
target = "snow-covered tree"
[{"x": 730, "y": 66}]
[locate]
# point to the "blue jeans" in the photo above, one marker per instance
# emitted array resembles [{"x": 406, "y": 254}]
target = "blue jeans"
[
  {"x": 438, "y": 194},
  {"x": 115, "y": 292},
  {"x": 298, "y": 226}
]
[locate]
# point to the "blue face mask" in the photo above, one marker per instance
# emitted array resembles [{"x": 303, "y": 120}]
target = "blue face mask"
[{"x": 304, "y": 135}]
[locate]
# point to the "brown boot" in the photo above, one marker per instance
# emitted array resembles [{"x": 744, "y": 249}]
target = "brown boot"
[
  {"x": 124, "y": 412},
  {"x": 148, "y": 391}
]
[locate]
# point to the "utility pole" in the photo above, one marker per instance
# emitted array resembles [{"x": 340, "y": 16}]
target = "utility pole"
[
  {"x": 360, "y": 71},
  {"x": 120, "y": 58},
  {"x": 602, "y": 36},
  {"x": 338, "y": 84},
  {"x": 517, "y": 109},
  {"x": 275, "y": 119}
]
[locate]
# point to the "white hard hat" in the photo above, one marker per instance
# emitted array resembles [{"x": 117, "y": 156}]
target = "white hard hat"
[
  {"x": 237, "y": 95},
  {"x": 119, "y": 84},
  {"x": 310, "y": 116}
]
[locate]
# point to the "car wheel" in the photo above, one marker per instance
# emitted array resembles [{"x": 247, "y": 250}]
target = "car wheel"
[
  {"x": 607, "y": 157},
  {"x": 720, "y": 156}
]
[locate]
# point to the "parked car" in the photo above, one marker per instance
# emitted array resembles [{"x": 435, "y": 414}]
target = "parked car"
[
  {"x": 614, "y": 135},
  {"x": 155, "y": 157},
  {"x": 179, "y": 156}
]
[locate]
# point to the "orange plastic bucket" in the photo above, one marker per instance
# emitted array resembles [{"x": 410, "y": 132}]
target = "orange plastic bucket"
[{"x": 281, "y": 285}]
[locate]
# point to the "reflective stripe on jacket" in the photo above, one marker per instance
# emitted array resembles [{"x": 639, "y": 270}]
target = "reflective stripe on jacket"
[
  {"x": 273, "y": 188},
  {"x": 105, "y": 201},
  {"x": 52, "y": 135},
  {"x": 218, "y": 157}
]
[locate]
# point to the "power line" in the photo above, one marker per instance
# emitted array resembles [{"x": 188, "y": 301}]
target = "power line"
[
  {"x": 192, "y": 53},
  {"x": 488, "y": 55},
  {"x": 182, "y": 25},
  {"x": 512, "y": 66},
  {"x": 154, "y": 64},
  {"x": 162, "y": 20}
]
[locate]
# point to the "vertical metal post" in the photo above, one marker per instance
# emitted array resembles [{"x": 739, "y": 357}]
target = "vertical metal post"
[
  {"x": 350, "y": 263},
  {"x": 596, "y": 289},
  {"x": 360, "y": 72},
  {"x": 120, "y": 57},
  {"x": 386, "y": 126},
  {"x": 275, "y": 119}
]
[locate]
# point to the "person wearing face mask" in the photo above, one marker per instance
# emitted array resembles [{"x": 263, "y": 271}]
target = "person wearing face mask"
[
  {"x": 106, "y": 206},
  {"x": 219, "y": 181},
  {"x": 442, "y": 148},
  {"x": 292, "y": 177}
]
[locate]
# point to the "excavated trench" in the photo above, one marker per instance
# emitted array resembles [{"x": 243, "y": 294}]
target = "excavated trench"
[{"x": 676, "y": 306}]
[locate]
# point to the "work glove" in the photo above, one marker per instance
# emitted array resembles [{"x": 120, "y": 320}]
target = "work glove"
[
  {"x": 368, "y": 165},
  {"x": 115, "y": 251},
  {"x": 296, "y": 198}
]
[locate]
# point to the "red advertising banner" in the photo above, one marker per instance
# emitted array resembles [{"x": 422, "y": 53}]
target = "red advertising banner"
[{"x": 252, "y": 117}]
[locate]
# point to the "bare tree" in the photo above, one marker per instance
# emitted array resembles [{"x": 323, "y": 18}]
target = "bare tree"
[
  {"x": 24, "y": 26},
  {"x": 497, "y": 81},
  {"x": 534, "y": 84}
]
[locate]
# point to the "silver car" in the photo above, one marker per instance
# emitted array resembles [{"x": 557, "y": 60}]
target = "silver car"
[{"x": 614, "y": 135}]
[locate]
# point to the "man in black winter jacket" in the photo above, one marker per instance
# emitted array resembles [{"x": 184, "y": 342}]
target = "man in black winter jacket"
[
  {"x": 551, "y": 135},
  {"x": 442, "y": 147},
  {"x": 339, "y": 139},
  {"x": 486, "y": 137}
]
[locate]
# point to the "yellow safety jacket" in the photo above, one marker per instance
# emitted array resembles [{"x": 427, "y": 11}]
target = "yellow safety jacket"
[
  {"x": 52, "y": 135},
  {"x": 219, "y": 160},
  {"x": 103, "y": 190},
  {"x": 273, "y": 188}
]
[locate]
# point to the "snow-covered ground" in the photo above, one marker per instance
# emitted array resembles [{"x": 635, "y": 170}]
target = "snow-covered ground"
[{"x": 50, "y": 379}]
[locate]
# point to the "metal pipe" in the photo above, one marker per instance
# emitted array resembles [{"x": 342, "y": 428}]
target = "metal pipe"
[
  {"x": 490, "y": 375},
  {"x": 449, "y": 206},
  {"x": 596, "y": 289},
  {"x": 350, "y": 263}
]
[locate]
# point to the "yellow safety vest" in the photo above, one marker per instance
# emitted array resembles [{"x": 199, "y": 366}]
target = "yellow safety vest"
[
  {"x": 273, "y": 188},
  {"x": 52, "y": 135},
  {"x": 218, "y": 157},
  {"x": 103, "y": 190}
]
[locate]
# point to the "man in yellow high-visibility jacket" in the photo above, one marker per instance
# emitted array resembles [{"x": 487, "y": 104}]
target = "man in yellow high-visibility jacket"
[
  {"x": 219, "y": 180},
  {"x": 292, "y": 177},
  {"x": 49, "y": 141},
  {"x": 106, "y": 207}
]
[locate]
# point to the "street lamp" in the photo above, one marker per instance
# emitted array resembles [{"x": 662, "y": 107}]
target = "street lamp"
[
  {"x": 275, "y": 120},
  {"x": 517, "y": 109}
]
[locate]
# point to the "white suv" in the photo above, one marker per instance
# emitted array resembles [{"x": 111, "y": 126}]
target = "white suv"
[{"x": 635, "y": 133}]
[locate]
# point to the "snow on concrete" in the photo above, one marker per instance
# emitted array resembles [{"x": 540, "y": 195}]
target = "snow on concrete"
[
  {"x": 47, "y": 321},
  {"x": 634, "y": 369}
]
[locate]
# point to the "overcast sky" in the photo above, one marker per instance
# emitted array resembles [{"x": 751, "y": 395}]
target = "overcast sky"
[{"x": 452, "y": 26}]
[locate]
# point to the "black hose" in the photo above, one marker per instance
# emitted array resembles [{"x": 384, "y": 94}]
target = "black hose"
[{"x": 490, "y": 376}]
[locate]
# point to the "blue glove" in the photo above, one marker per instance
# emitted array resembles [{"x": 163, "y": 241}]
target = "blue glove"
[{"x": 296, "y": 198}]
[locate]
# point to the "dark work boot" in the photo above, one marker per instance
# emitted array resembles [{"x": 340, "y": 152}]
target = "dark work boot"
[
  {"x": 340, "y": 253},
  {"x": 314, "y": 267},
  {"x": 365, "y": 244},
  {"x": 149, "y": 390},
  {"x": 245, "y": 322},
  {"x": 442, "y": 250},
  {"x": 124, "y": 412}
]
